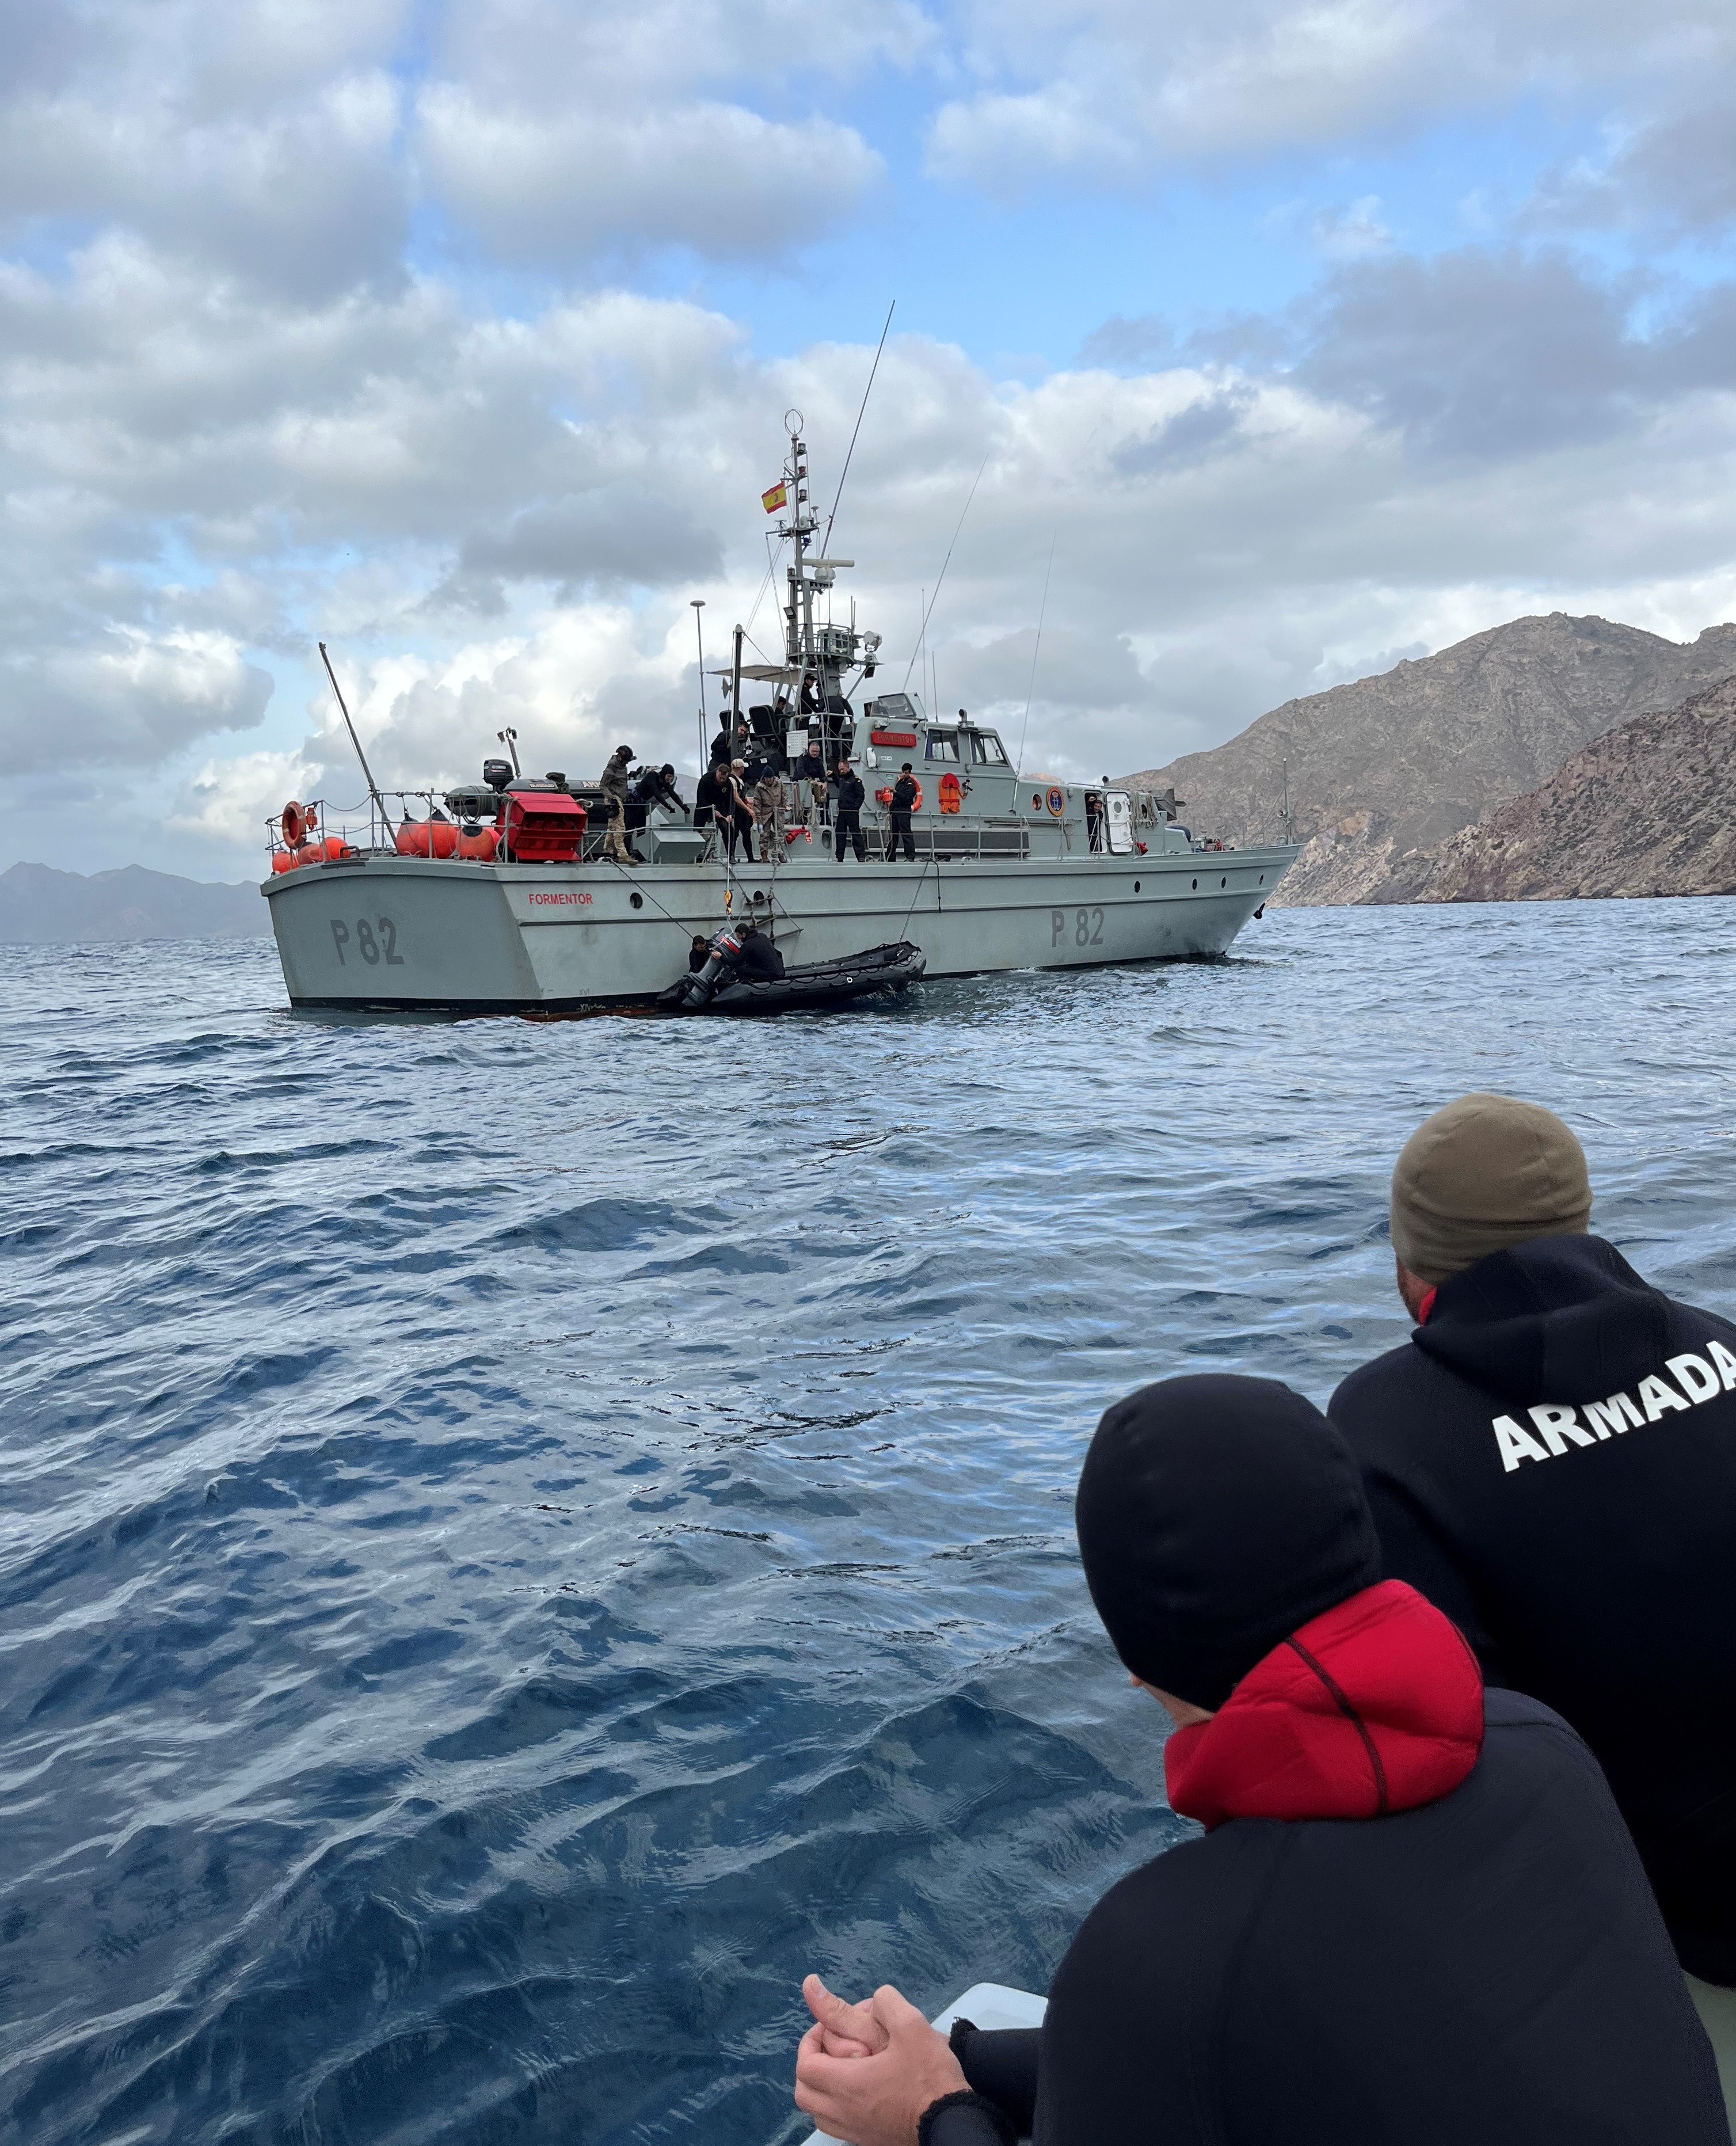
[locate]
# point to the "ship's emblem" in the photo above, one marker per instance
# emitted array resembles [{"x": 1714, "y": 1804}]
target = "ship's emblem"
[{"x": 1057, "y": 800}]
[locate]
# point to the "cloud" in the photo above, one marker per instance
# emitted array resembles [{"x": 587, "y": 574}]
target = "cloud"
[
  {"x": 1113, "y": 90},
  {"x": 561, "y": 135},
  {"x": 316, "y": 323},
  {"x": 259, "y": 142},
  {"x": 615, "y": 537},
  {"x": 1352, "y": 233},
  {"x": 127, "y": 698},
  {"x": 564, "y": 187},
  {"x": 223, "y": 807},
  {"x": 1496, "y": 353},
  {"x": 1676, "y": 173}
]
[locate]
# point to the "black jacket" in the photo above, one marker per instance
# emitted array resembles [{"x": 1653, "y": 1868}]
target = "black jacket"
[
  {"x": 1551, "y": 1459},
  {"x": 852, "y": 796},
  {"x": 760, "y": 960},
  {"x": 903, "y": 793},
  {"x": 716, "y": 790},
  {"x": 1490, "y": 1968}
]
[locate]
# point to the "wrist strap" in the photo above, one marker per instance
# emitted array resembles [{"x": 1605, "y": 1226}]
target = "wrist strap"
[{"x": 966, "y": 2099}]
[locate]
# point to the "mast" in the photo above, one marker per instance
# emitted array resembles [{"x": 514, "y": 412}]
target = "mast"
[
  {"x": 815, "y": 657},
  {"x": 699, "y": 604}
]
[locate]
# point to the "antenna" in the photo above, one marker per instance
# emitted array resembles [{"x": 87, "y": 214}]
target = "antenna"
[
  {"x": 367, "y": 773},
  {"x": 699, "y": 604},
  {"x": 1031, "y": 687},
  {"x": 945, "y": 564},
  {"x": 509, "y": 738},
  {"x": 867, "y": 392}
]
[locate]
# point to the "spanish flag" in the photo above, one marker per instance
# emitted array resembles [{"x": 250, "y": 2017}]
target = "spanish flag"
[{"x": 777, "y": 498}]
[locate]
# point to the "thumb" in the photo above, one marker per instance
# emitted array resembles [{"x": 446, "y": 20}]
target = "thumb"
[
  {"x": 893, "y": 2012},
  {"x": 822, "y": 2002}
]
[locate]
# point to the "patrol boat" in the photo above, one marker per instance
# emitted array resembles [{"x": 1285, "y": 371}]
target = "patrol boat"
[{"x": 498, "y": 898}]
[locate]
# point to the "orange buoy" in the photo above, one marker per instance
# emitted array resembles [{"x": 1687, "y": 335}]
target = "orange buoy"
[
  {"x": 310, "y": 853},
  {"x": 411, "y": 839},
  {"x": 283, "y": 862},
  {"x": 480, "y": 847},
  {"x": 444, "y": 835}
]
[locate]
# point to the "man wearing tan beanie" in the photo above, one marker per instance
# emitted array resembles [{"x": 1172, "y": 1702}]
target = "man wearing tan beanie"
[{"x": 1551, "y": 1460}]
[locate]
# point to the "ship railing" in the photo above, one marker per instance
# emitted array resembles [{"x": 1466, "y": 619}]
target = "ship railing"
[
  {"x": 366, "y": 829},
  {"x": 955, "y": 840}
]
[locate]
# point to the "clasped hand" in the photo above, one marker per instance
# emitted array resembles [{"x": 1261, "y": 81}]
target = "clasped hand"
[{"x": 866, "y": 2072}]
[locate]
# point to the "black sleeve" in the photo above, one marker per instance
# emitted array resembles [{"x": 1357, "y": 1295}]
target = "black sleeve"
[
  {"x": 963, "y": 2120},
  {"x": 1002, "y": 2067}
]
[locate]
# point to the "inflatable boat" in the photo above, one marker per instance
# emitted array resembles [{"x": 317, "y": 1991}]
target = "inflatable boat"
[{"x": 719, "y": 986}]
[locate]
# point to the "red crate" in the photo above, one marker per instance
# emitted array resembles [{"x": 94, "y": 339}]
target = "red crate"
[{"x": 543, "y": 827}]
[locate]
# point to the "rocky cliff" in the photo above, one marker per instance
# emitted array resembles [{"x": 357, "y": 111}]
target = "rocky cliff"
[
  {"x": 1648, "y": 808},
  {"x": 41, "y": 906},
  {"x": 1383, "y": 772}
]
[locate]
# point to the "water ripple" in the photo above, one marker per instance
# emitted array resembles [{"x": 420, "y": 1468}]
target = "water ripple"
[{"x": 523, "y": 1538}]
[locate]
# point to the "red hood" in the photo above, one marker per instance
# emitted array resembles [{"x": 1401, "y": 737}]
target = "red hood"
[{"x": 1375, "y": 1706}]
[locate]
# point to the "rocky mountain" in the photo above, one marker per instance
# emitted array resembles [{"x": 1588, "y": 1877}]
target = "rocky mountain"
[
  {"x": 1648, "y": 808},
  {"x": 1383, "y": 772},
  {"x": 40, "y": 906}
]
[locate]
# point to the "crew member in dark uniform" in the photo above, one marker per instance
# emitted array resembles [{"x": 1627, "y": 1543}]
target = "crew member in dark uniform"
[
  {"x": 761, "y": 963},
  {"x": 1414, "y": 1918},
  {"x": 904, "y": 803},
  {"x": 651, "y": 785},
  {"x": 699, "y": 953},
  {"x": 714, "y": 802},
  {"x": 1551, "y": 1459},
  {"x": 852, "y": 798}
]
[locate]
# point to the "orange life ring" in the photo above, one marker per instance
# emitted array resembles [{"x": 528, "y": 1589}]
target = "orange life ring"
[
  {"x": 884, "y": 797},
  {"x": 299, "y": 821}
]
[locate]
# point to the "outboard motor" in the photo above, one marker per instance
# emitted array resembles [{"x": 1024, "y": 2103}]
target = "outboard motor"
[
  {"x": 497, "y": 774},
  {"x": 699, "y": 986}
]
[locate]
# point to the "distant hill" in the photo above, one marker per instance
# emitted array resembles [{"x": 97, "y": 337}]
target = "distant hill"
[
  {"x": 1648, "y": 808},
  {"x": 40, "y": 906},
  {"x": 1386, "y": 770}
]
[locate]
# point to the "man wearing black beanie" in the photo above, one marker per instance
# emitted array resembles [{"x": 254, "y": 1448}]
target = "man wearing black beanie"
[{"x": 1414, "y": 1918}]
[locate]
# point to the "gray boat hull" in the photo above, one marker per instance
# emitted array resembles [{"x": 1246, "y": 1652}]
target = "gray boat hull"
[{"x": 409, "y": 934}]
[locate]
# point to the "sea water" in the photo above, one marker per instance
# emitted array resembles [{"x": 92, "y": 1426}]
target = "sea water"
[{"x": 522, "y": 1539}]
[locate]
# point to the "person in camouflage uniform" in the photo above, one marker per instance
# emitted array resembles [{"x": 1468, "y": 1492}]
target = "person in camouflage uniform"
[
  {"x": 769, "y": 803},
  {"x": 614, "y": 788}
]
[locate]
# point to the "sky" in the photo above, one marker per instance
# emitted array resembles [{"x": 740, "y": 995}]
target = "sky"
[{"x": 1279, "y": 341}]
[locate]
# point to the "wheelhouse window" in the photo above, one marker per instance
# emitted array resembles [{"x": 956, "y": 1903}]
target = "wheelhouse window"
[
  {"x": 986, "y": 748},
  {"x": 943, "y": 744}
]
